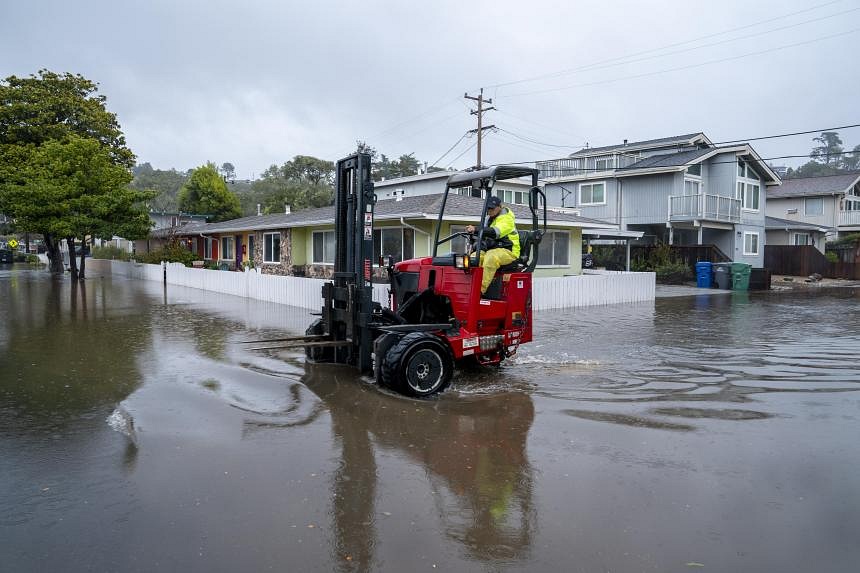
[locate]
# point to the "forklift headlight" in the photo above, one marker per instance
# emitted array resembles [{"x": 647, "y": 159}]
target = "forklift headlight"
[{"x": 461, "y": 261}]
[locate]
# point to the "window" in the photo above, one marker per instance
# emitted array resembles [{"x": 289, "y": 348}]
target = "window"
[
  {"x": 749, "y": 194},
  {"x": 695, "y": 169},
  {"x": 802, "y": 239},
  {"x": 554, "y": 249},
  {"x": 251, "y": 247},
  {"x": 227, "y": 251},
  {"x": 751, "y": 243},
  {"x": 324, "y": 247},
  {"x": 207, "y": 248},
  {"x": 692, "y": 186},
  {"x": 271, "y": 247},
  {"x": 396, "y": 241},
  {"x": 592, "y": 194},
  {"x": 813, "y": 205}
]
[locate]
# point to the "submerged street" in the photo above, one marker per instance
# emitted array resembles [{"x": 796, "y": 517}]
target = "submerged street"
[{"x": 138, "y": 433}]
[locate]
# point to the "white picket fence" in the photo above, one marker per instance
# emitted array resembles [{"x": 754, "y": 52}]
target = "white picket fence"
[{"x": 591, "y": 289}]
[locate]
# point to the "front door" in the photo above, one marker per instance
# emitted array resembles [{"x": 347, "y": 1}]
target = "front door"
[{"x": 238, "y": 241}]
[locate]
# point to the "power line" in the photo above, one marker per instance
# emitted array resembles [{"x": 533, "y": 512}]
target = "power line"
[
  {"x": 630, "y": 168},
  {"x": 788, "y": 134},
  {"x": 667, "y": 46},
  {"x": 450, "y": 149},
  {"x": 524, "y": 138},
  {"x": 687, "y": 67}
]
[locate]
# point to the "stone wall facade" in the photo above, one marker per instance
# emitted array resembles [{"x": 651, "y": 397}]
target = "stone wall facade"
[{"x": 286, "y": 266}]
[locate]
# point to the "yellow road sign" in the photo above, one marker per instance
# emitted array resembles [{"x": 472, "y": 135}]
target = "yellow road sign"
[{"x": 13, "y": 244}]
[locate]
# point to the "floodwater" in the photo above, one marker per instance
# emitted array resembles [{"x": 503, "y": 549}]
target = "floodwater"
[{"x": 138, "y": 433}]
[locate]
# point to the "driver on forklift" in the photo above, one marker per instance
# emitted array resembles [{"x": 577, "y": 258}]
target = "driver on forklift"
[{"x": 501, "y": 243}]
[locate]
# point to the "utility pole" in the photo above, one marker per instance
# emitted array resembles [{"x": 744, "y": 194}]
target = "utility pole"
[{"x": 480, "y": 113}]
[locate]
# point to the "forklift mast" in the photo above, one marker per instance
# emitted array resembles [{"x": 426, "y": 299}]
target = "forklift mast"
[{"x": 348, "y": 300}]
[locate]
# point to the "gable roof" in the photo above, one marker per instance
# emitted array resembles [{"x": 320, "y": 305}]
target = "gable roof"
[
  {"x": 458, "y": 207},
  {"x": 675, "y": 140},
  {"x": 773, "y": 224},
  {"x": 814, "y": 186}
]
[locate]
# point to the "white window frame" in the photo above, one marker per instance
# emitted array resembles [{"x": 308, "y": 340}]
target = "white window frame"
[
  {"x": 402, "y": 241},
  {"x": 757, "y": 243},
  {"x": 313, "y": 258},
  {"x": 743, "y": 192},
  {"x": 225, "y": 241},
  {"x": 277, "y": 236},
  {"x": 808, "y": 239},
  {"x": 806, "y": 208},
  {"x": 591, "y": 184},
  {"x": 545, "y": 242},
  {"x": 697, "y": 181}
]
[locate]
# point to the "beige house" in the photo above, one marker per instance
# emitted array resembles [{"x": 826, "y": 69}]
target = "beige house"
[{"x": 302, "y": 243}]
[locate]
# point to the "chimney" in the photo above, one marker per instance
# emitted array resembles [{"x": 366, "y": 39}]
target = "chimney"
[
  {"x": 625, "y": 143},
  {"x": 258, "y": 210},
  {"x": 286, "y": 209}
]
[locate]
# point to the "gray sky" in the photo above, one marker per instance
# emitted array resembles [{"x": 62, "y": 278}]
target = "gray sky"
[{"x": 257, "y": 82}]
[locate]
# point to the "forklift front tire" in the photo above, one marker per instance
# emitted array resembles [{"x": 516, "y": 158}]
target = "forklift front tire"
[
  {"x": 315, "y": 353},
  {"x": 419, "y": 365}
]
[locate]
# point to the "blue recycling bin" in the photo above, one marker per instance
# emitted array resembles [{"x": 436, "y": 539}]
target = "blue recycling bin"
[{"x": 704, "y": 274}]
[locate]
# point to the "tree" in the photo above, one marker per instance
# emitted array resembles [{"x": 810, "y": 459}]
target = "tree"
[
  {"x": 302, "y": 182},
  {"x": 829, "y": 150},
  {"x": 206, "y": 193},
  {"x": 851, "y": 161},
  {"x": 828, "y": 158},
  {"x": 64, "y": 113},
  {"x": 228, "y": 170}
]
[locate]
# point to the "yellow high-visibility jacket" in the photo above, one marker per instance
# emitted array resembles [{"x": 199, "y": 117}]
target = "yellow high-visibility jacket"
[{"x": 502, "y": 232}]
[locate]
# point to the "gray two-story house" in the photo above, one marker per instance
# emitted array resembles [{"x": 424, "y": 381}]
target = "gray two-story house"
[{"x": 680, "y": 190}]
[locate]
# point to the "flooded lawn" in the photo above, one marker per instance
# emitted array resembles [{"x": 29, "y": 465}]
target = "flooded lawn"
[{"x": 137, "y": 433}]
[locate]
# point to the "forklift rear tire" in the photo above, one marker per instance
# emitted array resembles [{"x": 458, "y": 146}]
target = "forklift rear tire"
[{"x": 419, "y": 365}]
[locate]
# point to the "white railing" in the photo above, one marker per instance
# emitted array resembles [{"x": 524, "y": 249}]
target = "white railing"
[
  {"x": 590, "y": 289},
  {"x": 849, "y": 218},
  {"x": 704, "y": 207}
]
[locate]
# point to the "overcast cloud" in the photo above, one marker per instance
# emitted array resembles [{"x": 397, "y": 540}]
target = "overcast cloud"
[{"x": 257, "y": 82}]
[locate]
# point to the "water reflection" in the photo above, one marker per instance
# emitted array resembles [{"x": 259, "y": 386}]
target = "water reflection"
[{"x": 473, "y": 449}]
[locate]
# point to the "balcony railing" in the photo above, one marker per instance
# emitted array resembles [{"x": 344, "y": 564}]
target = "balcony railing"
[
  {"x": 704, "y": 207},
  {"x": 849, "y": 218},
  {"x": 577, "y": 166}
]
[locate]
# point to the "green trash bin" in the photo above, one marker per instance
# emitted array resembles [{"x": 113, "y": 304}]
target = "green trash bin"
[{"x": 741, "y": 276}]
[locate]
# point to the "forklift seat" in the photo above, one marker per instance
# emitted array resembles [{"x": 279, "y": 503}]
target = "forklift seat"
[{"x": 528, "y": 242}]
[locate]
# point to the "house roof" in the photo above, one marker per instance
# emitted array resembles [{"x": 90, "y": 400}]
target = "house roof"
[
  {"x": 686, "y": 139},
  {"x": 813, "y": 186},
  {"x": 458, "y": 207},
  {"x": 413, "y": 178},
  {"x": 671, "y": 159},
  {"x": 773, "y": 223}
]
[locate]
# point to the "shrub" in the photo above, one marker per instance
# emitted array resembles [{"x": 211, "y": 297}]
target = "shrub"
[
  {"x": 831, "y": 257},
  {"x": 170, "y": 253},
  {"x": 111, "y": 252},
  {"x": 672, "y": 272}
]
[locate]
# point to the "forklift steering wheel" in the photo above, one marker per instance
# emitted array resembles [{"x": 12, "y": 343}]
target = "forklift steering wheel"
[{"x": 457, "y": 234}]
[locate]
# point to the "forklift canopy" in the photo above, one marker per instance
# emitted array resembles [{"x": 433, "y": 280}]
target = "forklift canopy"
[{"x": 499, "y": 172}]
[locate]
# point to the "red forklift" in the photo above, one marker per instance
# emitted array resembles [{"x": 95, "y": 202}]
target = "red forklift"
[{"x": 437, "y": 318}]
